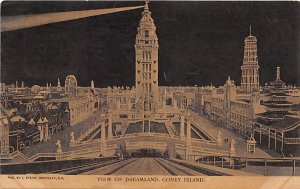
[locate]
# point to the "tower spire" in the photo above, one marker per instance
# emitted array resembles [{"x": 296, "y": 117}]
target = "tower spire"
[
  {"x": 146, "y": 6},
  {"x": 92, "y": 84},
  {"x": 250, "y": 67},
  {"x": 146, "y": 49},
  {"x": 278, "y": 73},
  {"x": 146, "y": 9},
  {"x": 58, "y": 83}
]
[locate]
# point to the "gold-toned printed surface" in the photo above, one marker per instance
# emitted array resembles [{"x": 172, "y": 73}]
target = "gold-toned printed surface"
[{"x": 160, "y": 94}]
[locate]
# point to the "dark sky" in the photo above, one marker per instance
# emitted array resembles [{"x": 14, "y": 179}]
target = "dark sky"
[{"x": 200, "y": 42}]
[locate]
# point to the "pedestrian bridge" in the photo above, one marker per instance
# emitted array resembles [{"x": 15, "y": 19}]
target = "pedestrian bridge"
[
  {"x": 174, "y": 145},
  {"x": 179, "y": 136}
]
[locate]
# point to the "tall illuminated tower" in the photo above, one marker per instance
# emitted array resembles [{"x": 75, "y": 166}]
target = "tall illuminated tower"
[
  {"x": 250, "y": 74},
  {"x": 146, "y": 52}
]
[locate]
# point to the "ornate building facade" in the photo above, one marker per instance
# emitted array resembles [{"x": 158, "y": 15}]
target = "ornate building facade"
[
  {"x": 146, "y": 50},
  {"x": 225, "y": 106}
]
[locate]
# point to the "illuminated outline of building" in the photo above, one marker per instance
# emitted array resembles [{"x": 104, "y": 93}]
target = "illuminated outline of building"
[
  {"x": 146, "y": 49},
  {"x": 250, "y": 74}
]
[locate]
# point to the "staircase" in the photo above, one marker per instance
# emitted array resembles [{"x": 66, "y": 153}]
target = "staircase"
[{"x": 88, "y": 132}]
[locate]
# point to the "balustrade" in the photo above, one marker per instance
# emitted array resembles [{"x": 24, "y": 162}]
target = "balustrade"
[{"x": 292, "y": 140}]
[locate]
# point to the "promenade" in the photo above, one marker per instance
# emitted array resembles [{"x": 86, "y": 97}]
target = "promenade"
[
  {"x": 63, "y": 136},
  {"x": 213, "y": 129}
]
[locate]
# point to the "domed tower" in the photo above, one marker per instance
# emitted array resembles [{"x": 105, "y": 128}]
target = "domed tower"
[
  {"x": 71, "y": 86},
  {"x": 250, "y": 74},
  {"x": 146, "y": 53}
]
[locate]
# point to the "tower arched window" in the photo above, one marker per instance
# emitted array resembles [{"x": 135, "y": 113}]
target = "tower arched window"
[{"x": 146, "y": 33}]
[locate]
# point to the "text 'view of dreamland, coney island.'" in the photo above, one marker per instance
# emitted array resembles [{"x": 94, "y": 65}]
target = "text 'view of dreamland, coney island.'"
[{"x": 153, "y": 127}]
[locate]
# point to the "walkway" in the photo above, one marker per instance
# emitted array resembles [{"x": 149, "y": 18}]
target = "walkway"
[
  {"x": 213, "y": 128},
  {"x": 63, "y": 136},
  {"x": 144, "y": 166}
]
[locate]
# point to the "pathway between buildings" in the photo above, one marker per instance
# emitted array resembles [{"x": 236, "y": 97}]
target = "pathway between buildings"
[
  {"x": 213, "y": 128},
  {"x": 63, "y": 136}
]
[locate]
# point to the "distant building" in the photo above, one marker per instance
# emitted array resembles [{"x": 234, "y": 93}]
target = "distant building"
[
  {"x": 81, "y": 103},
  {"x": 4, "y": 135},
  {"x": 80, "y": 108},
  {"x": 71, "y": 86},
  {"x": 58, "y": 88},
  {"x": 224, "y": 106},
  {"x": 278, "y": 128},
  {"x": 121, "y": 99},
  {"x": 250, "y": 73},
  {"x": 183, "y": 96}
]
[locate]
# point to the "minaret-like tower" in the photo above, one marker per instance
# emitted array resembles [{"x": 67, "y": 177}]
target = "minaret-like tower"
[
  {"x": 229, "y": 93},
  {"x": 92, "y": 84},
  {"x": 58, "y": 83},
  {"x": 146, "y": 53},
  {"x": 278, "y": 73},
  {"x": 250, "y": 74},
  {"x": 59, "y": 88},
  {"x": 229, "y": 96}
]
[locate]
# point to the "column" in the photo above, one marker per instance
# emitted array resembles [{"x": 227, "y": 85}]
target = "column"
[
  {"x": 174, "y": 102},
  {"x": 103, "y": 133},
  {"x": 275, "y": 140},
  {"x": 282, "y": 142},
  {"x": 188, "y": 138},
  {"x": 164, "y": 103},
  {"x": 188, "y": 125},
  {"x": 269, "y": 142},
  {"x": 128, "y": 101},
  {"x": 182, "y": 126},
  {"x": 110, "y": 134},
  {"x": 40, "y": 127},
  {"x": 259, "y": 134},
  {"x": 118, "y": 105},
  {"x": 149, "y": 123},
  {"x": 46, "y": 132},
  {"x": 46, "y": 126},
  {"x": 102, "y": 128}
]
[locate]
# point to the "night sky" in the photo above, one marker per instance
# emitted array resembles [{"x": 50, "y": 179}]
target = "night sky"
[{"x": 200, "y": 43}]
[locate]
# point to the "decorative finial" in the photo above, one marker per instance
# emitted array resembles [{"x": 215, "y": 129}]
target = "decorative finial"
[
  {"x": 92, "y": 84},
  {"x": 58, "y": 83},
  {"x": 278, "y": 73},
  {"x": 250, "y": 29},
  {"x": 229, "y": 78},
  {"x": 146, "y": 5}
]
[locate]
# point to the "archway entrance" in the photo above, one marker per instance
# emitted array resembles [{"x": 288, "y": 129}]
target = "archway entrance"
[
  {"x": 148, "y": 152},
  {"x": 169, "y": 101}
]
